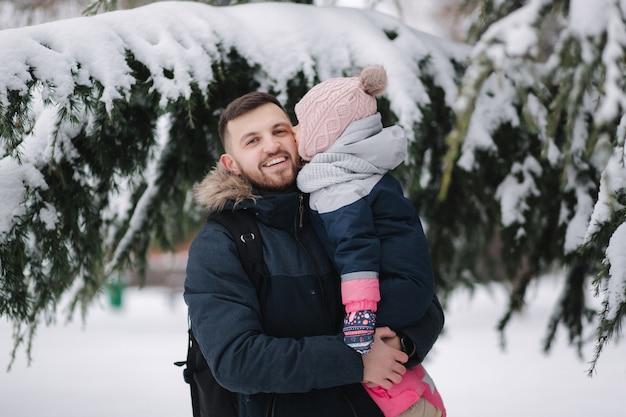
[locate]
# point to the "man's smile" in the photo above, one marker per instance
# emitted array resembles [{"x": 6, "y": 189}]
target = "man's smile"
[{"x": 275, "y": 161}]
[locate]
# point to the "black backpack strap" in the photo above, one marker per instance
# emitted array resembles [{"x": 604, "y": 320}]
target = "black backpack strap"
[
  {"x": 208, "y": 398},
  {"x": 244, "y": 230}
]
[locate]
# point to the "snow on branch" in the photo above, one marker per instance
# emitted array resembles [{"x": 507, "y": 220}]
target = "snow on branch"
[
  {"x": 89, "y": 171},
  {"x": 569, "y": 97}
]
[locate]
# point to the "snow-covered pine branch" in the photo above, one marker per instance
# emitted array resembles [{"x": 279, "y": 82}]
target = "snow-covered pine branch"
[
  {"x": 107, "y": 121},
  {"x": 563, "y": 106}
]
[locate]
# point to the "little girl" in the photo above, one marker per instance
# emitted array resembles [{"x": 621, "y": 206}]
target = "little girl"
[{"x": 370, "y": 229}]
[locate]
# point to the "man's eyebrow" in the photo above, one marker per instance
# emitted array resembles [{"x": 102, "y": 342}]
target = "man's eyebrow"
[{"x": 281, "y": 124}]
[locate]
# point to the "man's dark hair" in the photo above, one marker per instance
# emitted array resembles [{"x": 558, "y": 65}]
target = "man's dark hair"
[{"x": 243, "y": 105}]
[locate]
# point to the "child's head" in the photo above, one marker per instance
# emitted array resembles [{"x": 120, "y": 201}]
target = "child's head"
[{"x": 329, "y": 107}]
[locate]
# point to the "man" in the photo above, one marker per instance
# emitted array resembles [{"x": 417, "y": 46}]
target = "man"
[{"x": 284, "y": 354}]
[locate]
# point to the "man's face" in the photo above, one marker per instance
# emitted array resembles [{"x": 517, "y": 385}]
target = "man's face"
[{"x": 261, "y": 148}]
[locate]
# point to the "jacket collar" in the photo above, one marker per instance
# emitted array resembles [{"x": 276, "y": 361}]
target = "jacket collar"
[{"x": 221, "y": 190}]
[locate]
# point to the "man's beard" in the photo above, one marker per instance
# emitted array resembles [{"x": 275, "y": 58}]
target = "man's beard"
[{"x": 270, "y": 185}]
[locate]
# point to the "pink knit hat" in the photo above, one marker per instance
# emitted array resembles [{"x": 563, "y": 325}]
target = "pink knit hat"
[{"x": 329, "y": 107}]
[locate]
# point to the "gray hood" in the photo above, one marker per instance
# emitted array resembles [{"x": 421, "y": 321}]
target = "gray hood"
[{"x": 366, "y": 139}]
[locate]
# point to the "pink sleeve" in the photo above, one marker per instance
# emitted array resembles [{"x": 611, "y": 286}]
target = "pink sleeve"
[{"x": 360, "y": 294}]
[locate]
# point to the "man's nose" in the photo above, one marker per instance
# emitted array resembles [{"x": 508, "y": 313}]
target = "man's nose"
[{"x": 271, "y": 144}]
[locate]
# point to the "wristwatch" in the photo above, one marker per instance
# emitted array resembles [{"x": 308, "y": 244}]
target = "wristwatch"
[{"x": 407, "y": 345}]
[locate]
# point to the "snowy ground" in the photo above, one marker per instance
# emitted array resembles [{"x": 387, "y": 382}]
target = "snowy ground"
[{"x": 120, "y": 364}]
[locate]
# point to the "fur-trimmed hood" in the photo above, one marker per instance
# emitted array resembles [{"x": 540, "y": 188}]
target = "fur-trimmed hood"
[{"x": 221, "y": 189}]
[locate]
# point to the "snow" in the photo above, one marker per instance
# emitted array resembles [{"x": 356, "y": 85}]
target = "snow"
[
  {"x": 143, "y": 205},
  {"x": 589, "y": 20},
  {"x": 514, "y": 191},
  {"x": 611, "y": 58},
  {"x": 492, "y": 110},
  {"x": 15, "y": 181},
  {"x": 120, "y": 363},
  {"x": 616, "y": 296},
  {"x": 155, "y": 36},
  {"x": 62, "y": 56},
  {"x": 613, "y": 179},
  {"x": 577, "y": 221},
  {"x": 511, "y": 46},
  {"x": 577, "y": 225},
  {"x": 514, "y": 34}
]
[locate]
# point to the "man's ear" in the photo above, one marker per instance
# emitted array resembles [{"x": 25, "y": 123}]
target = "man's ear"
[{"x": 230, "y": 164}]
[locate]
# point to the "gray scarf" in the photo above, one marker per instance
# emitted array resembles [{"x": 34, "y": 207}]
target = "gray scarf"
[{"x": 363, "y": 150}]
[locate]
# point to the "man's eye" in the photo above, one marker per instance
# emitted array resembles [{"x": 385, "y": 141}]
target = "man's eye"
[
  {"x": 251, "y": 141},
  {"x": 280, "y": 132}
]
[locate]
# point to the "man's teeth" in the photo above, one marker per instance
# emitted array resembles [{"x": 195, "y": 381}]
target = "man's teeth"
[{"x": 275, "y": 161}]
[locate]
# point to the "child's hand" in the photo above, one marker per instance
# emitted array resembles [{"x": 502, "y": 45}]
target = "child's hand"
[{"x": 358, "y": 330}]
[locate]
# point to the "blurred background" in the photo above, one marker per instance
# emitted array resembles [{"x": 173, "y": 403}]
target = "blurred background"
[{"x": 120, "y": 362}]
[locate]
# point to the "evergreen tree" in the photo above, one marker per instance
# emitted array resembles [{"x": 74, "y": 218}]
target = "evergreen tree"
[
  {"x": 107, "y": 121},
  {"x": 518, "y": 174},
  {"x": 549, "y": 75}
]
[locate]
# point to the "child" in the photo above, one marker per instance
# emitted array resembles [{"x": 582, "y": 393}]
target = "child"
[{"x": 370, "y": 229}]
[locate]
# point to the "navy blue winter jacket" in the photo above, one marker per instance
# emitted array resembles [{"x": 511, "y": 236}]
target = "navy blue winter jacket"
[
  {"x": 290, "y": 360},
  {"x": 367, "y": 224}
]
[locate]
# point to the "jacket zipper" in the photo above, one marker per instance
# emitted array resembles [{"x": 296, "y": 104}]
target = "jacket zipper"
[
  {"x": 300, "y": 211},
  {"x": 299, "y": 223}
]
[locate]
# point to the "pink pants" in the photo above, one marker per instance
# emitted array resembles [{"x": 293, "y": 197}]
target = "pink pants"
[{"x": 415, "y": 396}]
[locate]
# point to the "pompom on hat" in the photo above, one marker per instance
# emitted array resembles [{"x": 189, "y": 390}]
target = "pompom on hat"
[{"x": 329, "y": 107}]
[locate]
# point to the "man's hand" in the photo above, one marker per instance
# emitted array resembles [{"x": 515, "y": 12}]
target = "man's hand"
[
  {"x": 393, "y": 341},
  {"x": 383, "y": 365}
]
